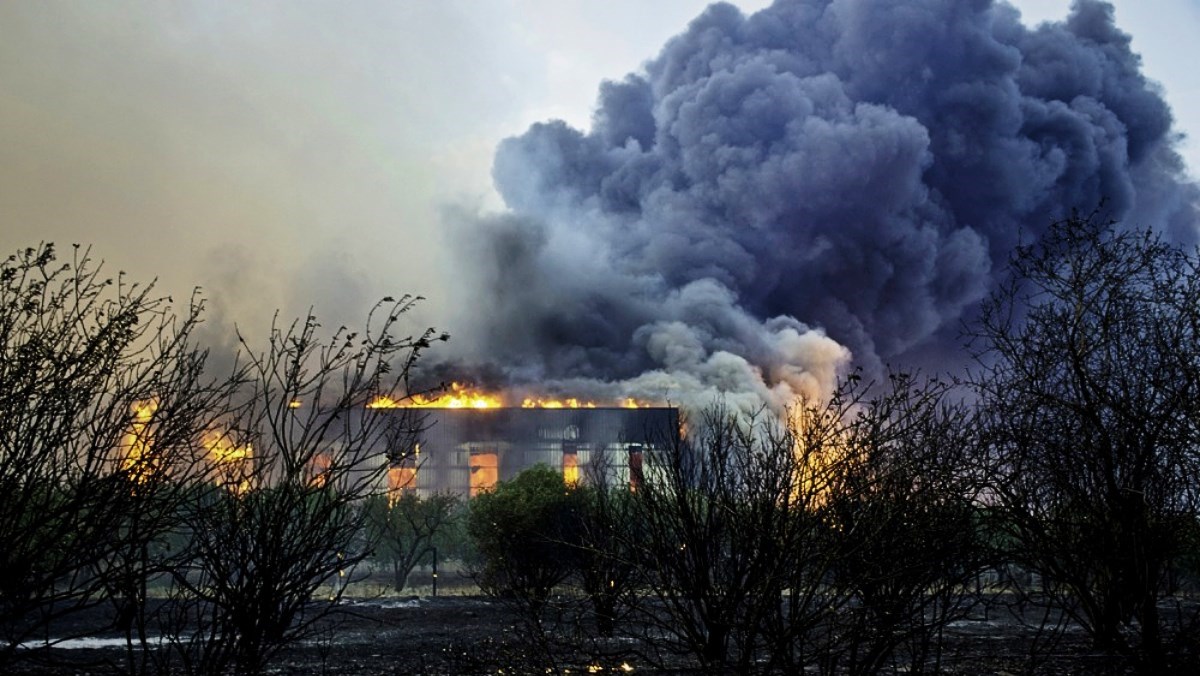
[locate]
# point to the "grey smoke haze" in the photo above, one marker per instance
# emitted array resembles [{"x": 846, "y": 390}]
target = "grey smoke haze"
[
  {"x": 285, "y": 155},
  {"x": 774, "y": 195}
]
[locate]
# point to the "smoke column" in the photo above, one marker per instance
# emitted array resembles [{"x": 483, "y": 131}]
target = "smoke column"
[{"x": 775, "y": 197}]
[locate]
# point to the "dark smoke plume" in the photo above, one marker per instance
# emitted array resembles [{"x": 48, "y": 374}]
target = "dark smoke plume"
[{"x": 775, "y": 193}]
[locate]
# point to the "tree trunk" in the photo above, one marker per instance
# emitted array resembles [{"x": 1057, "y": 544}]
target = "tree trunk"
[
  {"x": 715, "y": 645},
  {"x": 605, "y": 617},
  {"x": 1152, "y": 661},
  {"x": 399, "y": 576}
]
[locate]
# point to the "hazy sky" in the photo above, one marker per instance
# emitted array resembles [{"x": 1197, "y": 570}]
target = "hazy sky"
[{"x": 282, "y": 154}]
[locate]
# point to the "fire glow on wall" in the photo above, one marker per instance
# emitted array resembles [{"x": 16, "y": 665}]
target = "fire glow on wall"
[{"x": 467, "y": 450}]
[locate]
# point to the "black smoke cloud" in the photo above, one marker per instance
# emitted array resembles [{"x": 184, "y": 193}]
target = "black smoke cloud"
[{"x": 775, "y": 193}]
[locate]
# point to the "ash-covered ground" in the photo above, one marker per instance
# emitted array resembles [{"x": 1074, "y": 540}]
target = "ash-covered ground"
[{"x": 476, "y": 635}]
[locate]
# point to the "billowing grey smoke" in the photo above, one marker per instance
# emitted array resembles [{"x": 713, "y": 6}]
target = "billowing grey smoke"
[{"x": 820, "y": 174}]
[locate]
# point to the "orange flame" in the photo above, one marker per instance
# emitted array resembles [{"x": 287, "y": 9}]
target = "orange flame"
[
  {"x": 459, "y": 396},
  {"x": 571, "y": 402},
  {"x": 138, "y": 440},
  {"x": 485, "y": 469},
  {"x": 232, "y": 461},
  {"x": 466, "y": 396},
  {"x": 320, "y": 469},
  {"x": 402, "y": 477},
  {"x": 384, "y": 402},
  {"x": 570, "y": 467}
]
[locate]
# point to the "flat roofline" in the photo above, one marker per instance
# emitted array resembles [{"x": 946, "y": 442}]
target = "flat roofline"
[{"x": 529, "y": 408}]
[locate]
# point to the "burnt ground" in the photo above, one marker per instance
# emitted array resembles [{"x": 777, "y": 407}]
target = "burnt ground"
[
  {"x": 377, "y": 633},
  {"x": 475, "y": 635}
]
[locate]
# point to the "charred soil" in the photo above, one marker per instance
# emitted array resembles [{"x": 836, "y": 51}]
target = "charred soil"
[{"x": 475, "y": 635}]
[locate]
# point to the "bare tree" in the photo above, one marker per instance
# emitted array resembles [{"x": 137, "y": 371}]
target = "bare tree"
[
  {"x": 902, "y": 513},
  {"x": 122, "y": 462},
  {"x": 101, "y": 392},
  {"x": 607, "y": 569},
  {"x": 273, "y": 539},
  {"x": 1090, "y": 374},
  {"x": 841, "y": 538},
  {"x": 720, "y": 519},
  {"x": 802, "y": 631}
]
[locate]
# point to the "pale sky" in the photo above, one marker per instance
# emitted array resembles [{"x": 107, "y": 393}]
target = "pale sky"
[{"x": 282, "y": 154}]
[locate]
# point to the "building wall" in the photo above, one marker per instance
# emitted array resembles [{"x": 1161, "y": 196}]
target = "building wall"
[{"x": 464, "y": 451}]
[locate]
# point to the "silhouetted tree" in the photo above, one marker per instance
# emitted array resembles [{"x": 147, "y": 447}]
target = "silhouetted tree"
[
  {"x": 1090, "y": 379},
  {"x": 273, "y": 540},
  {"x": 901, "y": 512},
  {"x": 607, "y": 569},
  {"x": 102, "y": 394},
  {"x": 405, "y": 529},
  {"x": 527, "y": 534},
  {"x": 722, "y": 526},
  {"x": 841, "y": 538},
  {"x": 122, "y": 461}
]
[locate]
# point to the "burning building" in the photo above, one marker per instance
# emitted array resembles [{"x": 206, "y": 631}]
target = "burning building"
[{"x": 468, "y": 449}]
